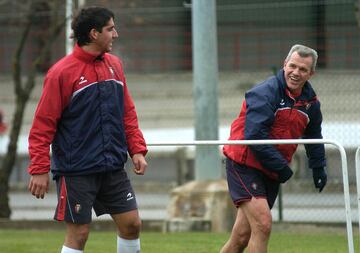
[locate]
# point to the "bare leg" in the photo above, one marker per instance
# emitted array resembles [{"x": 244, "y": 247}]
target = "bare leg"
[
  {"x": 240, "y": 235},
  {"x": 76, "y": 235},
  {"x": 128, "y": 224},
  {"x": 259, "y": 217}
]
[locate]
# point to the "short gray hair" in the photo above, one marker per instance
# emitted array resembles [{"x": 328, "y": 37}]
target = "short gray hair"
[{"x": 304, "y": 51}]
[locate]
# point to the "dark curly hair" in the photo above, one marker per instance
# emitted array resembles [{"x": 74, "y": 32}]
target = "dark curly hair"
[{"x": 87, "y": 19}]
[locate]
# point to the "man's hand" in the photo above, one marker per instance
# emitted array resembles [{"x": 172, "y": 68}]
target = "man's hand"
[
  {"x": 39, "y": 185},
  {"x": 285, "y": 174},
  {"x": 320, "y": 178},
  {"x": 140, "y": 164}
]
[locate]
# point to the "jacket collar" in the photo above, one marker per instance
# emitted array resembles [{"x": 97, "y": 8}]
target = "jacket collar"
[{"x": 82, "y": 55}]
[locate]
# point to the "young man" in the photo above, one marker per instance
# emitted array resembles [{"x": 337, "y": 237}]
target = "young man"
[
  {"x": 88, "y": 116},
  {"x": 282, "y": 107}
]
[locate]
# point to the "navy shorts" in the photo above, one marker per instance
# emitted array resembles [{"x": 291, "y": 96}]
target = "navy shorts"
[
  {"x": 106, "y": 193},
  {"x": 245, "y": 183}
]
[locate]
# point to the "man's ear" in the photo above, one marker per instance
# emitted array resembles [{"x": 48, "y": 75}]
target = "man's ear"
[
  {"x": 93, "y": 34},
  {"x": 312, "y": 72}
]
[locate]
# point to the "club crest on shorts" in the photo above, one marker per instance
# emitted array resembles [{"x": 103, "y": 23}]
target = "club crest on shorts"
[
  {"x": 254, "y": 186},
  {"x": 77, "y": 208}
]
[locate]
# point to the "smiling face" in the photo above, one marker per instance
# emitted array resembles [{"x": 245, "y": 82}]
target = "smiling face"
[
  {"x": 297, "y": 71},
  {"x": 102, "y": 41}
]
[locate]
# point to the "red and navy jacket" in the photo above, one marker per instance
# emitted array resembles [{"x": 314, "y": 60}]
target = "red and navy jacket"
[
  {"x": 87, "y": 115},
  {"x": 270, "y": 111}
]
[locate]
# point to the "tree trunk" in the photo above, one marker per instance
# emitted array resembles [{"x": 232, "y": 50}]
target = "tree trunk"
[
  {"x": 23, "y": 92},
  {"x": 10, "y": 157}
]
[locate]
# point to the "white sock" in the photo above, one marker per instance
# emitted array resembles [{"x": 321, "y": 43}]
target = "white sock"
[
  {"x": 128, "y": 246},
  {"x": 70, "y": 250}
]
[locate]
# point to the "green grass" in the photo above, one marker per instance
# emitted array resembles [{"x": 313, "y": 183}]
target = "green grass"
[{"x": 49, "y": 241}]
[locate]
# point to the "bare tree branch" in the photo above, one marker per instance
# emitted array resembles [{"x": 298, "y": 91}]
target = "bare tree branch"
[
  {"x": 17, "y": 56},
  {"x": 54, "y": 31}
]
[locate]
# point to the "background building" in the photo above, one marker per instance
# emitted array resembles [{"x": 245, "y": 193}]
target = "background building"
[{"x": 155, "y": 35}]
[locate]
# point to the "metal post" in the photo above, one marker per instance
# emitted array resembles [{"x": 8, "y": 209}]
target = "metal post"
[
  {"x": 280, "y": 207},
  {"x": 280, "y": 196},
  {"x": 346, "y": 195},
  {"x": 205, "y": 70},
  {"x": 68, "y": 40},
  {"x": 69, "y": 43},
  {"x": 357, "y": 168}
]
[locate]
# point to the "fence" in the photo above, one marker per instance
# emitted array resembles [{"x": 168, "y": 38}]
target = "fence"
[{"x": 253, "y": 38}]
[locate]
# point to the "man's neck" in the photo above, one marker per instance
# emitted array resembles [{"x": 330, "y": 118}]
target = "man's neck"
[
  {"x": 295, "y": 93},
  {"x": 91, "y": 49}
]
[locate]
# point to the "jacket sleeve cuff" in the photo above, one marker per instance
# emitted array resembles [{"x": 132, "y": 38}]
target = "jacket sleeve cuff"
[
  {"x": 38, "y": 170},
  {"x": 143, "y": 151}
]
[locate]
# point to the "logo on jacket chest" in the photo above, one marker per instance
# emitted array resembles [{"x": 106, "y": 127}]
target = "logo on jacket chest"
[
  {"x": 300, "y": 105},
  {"x": 82, "y": 80}
]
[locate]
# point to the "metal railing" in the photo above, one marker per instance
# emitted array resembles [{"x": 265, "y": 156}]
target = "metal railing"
[
  {"x": 293, "y": 141},
  {"x": 357, "y": 169}
]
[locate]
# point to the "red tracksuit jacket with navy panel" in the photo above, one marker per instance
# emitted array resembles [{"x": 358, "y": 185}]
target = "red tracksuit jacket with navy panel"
[
  {"x": 87, "y": 115},
  {"x": 269, "y": 111}
]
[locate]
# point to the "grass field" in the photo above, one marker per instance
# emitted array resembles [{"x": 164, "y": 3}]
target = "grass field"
[{"x": 50, "y": 241}]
